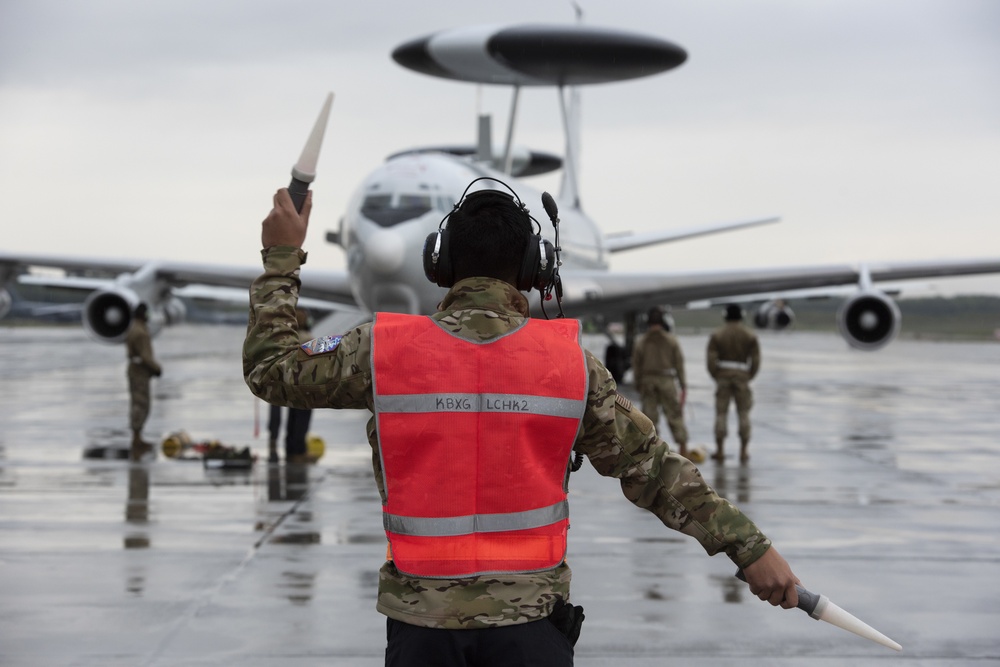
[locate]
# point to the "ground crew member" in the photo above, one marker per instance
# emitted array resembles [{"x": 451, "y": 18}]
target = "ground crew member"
[
  {"x": 477, "y": 410},
  {"x": 733, "y": 360},
  {"x": 658, "y": 368},
  {"x": 298, "y": 419},
  {"x": 141, "y": 367}
]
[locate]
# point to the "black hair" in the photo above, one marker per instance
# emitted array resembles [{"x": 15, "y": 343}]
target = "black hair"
[{"x": 488, "y": 235}]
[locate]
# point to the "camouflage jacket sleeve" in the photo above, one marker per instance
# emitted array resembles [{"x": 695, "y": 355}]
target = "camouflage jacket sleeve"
[
  {"x": 712, "y": 355},
  {"x": 275, "y": 365},
  {"x": 754, "y": 356},
  {"x": 621, "y": 442},
  {"x": 679, "y": 363}
]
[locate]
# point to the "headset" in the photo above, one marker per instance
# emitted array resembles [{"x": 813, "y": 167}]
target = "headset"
[{"x": 538, "y": 265}]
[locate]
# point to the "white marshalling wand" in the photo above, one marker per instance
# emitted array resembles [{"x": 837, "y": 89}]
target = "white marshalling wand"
[
  {"x": 819, "y": 607},
  {"x": 304, "y": 171}
]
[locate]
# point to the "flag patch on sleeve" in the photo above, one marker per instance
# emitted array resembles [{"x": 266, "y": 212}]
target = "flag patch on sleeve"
[
  {"x": 321, "y": 345},
  {"x": 623, "y": 402}
]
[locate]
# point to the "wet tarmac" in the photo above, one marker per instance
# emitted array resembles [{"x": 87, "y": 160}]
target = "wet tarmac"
[{"x": 877, "y": 475}]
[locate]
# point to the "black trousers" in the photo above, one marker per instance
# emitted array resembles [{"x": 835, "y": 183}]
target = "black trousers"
[
  {"x": 298, "y": 426},
  {"x": 535, "y": 644}
]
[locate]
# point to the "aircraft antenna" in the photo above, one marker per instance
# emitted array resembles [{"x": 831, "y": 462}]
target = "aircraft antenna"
[
  {"x": 484, "y": 145},
  {"x": 569, "y": 190},
  {"x": 508, "y": 155}
]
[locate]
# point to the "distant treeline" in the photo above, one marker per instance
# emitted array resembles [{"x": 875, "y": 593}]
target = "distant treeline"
[{"x": 961, "y": 317}]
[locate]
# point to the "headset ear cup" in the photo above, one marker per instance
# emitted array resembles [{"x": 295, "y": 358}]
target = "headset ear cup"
[
  {"x": 526, "y": 277},
  {"x": 437, "y": 262},
  {"x": 431, "y": 245},
  {"x": 546, "y": 268},
  {"x": 445, "y": 270}
]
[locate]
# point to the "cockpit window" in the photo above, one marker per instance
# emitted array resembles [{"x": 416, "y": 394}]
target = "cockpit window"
[
  {"x": 376, "y": 202},
  {"x": 415, "y": 200},
  {"x": 387, "y": 210}
]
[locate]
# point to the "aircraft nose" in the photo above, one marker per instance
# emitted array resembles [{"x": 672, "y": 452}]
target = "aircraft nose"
[{"x": 384, "y": 251}]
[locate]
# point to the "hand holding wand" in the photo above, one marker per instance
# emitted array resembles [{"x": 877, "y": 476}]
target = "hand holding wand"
[{"x": 819, "y": 607}]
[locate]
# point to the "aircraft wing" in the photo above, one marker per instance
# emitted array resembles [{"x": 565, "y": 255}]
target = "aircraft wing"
[
  {"x": 630, "y": 241},
  {"x": 613, "y": 294},
  {"x": 326, "y": 285},
  {"x": 11, "y": 263},
  {"x": 117, "y": 286}
]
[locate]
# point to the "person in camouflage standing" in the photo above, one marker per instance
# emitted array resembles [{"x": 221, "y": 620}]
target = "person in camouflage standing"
[
  {"x": 441, "y": 604},
  {"x": 658, "y": 369},
  {"x": 733, "y": 360},
  {"x": 141, "y": 367}
]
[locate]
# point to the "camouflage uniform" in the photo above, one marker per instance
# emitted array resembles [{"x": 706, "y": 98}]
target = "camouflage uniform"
[
  {"x": 141, "y": 367},
  {"x": 733, "y": 360},
  {"x": 658, "y": 367},
  {"x": 619, "y": 441}
]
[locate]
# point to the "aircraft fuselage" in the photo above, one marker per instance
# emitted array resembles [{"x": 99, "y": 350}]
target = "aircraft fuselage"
[{"x": 395, "y": 208}]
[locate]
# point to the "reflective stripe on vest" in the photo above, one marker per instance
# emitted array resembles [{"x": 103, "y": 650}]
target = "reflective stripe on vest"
[
  {"x": 476, "y": 523},
  {"x": 734, "y": 365},
  {"x": 539, "y": 405},
  {"x": 474, "y": 441}
]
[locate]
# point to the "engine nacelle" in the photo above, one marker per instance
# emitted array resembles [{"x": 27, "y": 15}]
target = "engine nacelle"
[
  {"x": 107, "y": 314},
  {"x": 174, "y": 311},
  {"x": 869, "y": 320},
  {"x": 6, "y": 303},
  {"x": 773, "y": 315}
]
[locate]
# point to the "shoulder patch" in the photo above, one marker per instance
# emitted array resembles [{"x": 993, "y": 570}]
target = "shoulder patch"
[
  {"x": 623, "y": 402},
  {"x": 321, "y": 345}
]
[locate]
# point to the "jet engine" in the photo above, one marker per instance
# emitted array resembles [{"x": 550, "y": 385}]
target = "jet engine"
[
  {"x": 6, "y": 302},
  {"x": 869, "y": 320},
  {"x": 107, "y": 313},
  {"x": 773, "y": 315}
]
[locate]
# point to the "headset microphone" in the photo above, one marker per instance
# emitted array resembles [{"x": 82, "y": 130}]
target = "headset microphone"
[{"x": 549, "y": 204}]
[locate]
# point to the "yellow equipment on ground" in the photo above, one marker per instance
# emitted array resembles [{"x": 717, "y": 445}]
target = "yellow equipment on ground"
[
  {"x": 315, "y": 447},
  {"x": 175, "y": 444},
  {"x": 697, "y": 454}
]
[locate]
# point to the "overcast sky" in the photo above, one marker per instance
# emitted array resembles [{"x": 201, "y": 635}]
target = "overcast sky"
[{"x": 160, "y": 129}]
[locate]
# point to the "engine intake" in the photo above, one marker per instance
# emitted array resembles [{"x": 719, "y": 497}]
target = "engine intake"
[
  {"x": 773, "y": 315},
  {"x": 868, "y": 320},
  {"x": 107, "y": 314},
  {"x": 6, "y": 303}
]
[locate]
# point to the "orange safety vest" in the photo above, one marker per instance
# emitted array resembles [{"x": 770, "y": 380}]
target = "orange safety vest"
[{"x": 474, "y": 440}]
